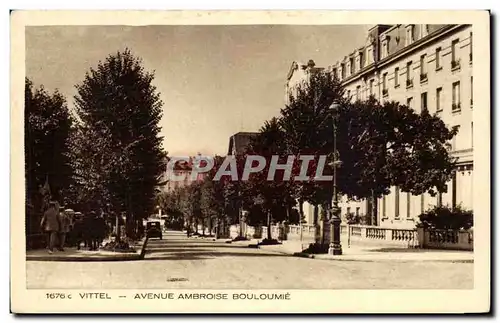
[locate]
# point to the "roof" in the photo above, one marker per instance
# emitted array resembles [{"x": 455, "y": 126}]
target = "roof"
[{"x": 239, "y": 141}]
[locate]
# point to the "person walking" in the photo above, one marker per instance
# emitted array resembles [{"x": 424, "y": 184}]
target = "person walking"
[
  {"x": 64, "y": 228},
  {"x": 51, "y": 223}
]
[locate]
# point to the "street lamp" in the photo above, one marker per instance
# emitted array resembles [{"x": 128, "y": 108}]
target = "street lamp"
[{"x": 335, "y": 247}]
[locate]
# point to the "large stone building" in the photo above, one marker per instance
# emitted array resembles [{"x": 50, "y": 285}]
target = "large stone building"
[{"x": 423, "y": 66}]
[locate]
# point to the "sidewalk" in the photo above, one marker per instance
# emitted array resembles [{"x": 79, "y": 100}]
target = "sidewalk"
[
  {"x": 72, "y": 254},
  {"x": 381, "y": 254}
]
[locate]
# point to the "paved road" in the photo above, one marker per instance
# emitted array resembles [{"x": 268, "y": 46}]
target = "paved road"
[{"x": 178, "y": 262}]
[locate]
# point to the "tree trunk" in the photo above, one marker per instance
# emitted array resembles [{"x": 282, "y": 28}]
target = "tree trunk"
[
  {"x": 269, "y": 236},
  {"x": 373, "y": 209},
  {"x": 301, "y": 210},
  {"x": 316, "y": 213}
]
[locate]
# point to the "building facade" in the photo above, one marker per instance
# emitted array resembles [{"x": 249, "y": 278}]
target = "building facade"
[
  {"x": 184, "y": 169},
  {"x": 425, "y": 67}
]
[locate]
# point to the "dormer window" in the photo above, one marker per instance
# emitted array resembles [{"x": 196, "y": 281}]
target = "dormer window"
[
  {"x": 409, "y": 34},
  {"x": 424, "y": 31},
  {"x": 349, "y": 68},
  {"x": 358, "y": 59},
  {"x": 351, "y": 65},
  {"x": 369, "y": 55},
  {"x": 385, "y": 46}
]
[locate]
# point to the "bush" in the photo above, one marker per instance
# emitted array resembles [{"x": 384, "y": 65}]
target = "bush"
[
  {"x": 352, "y": 218},
  {"x": 446, "y": 218},
  {"x": 240, "y": 238}
]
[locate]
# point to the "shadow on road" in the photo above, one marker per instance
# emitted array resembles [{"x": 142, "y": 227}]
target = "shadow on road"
[
  {"x": 178, "y": 247},
  {"x": 199, "y": 255}
]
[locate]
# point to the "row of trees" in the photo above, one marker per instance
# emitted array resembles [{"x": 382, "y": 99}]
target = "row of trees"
[
  {"x": 107, "y": 156},
  {"x": 379, "y": 144}
]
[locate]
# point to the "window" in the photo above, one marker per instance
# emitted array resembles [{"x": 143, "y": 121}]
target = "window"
[
  {"x": 358, "y": 92},
  {"x": 409, "y": 80},
  {"x": 455, "y": 62},
  {"x": 384, "y": 207},
  {"x": 472, "y": 134},
  {"x": 408, "y": 205},
  {"x": 357, "y": 211},
  {"x": 471, "y": 91},
  {"x": 439, "y": 199},
  {"x": 409, "y": 35},
  {"x": 423, "y": 101},
  {"x": 385, "y": 52},
  {"x": 438, "y": 58},
  {"x": 371, "y": 87},
  {"x": 343, "y": 71},
  {"x": 351, "y": 62},
  {"x": 470, "y": 48},
  {"x": 396, "y": 77},
  {"x": 422, "y": 203},
  {"x": 369, "y": 56},
  {"x": 456, "y": 96},
  {"x": 409, "y": 102},
  {"x": 348, "y": 210},
  {"x": 439, "y": 106},
  {"x": 384, "y": 84},
  {"x": 396, "y": 206},
  {"x": 335, "y": 73},
  {"x": 349, "y": 94},
  {"x": 454, "y": 190},
  {"x": 424, "y": 31},
  {"x": 423, "y": 70}
]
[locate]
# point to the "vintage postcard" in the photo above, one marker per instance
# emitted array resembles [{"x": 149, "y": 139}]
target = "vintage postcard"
[{"x": 250, "y": 162}]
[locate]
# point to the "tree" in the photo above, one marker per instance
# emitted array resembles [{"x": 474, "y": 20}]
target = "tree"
[
  {"x": 380, "y": 145},
  {"x": 118, "y": 103},
  {"x": 48, "y": 126},
  {"x": 384, "y": 145},
  {"x": 307, "y": 126},
  {"x": 213, "y": 203},
  {"x": 273, "y": 196}
]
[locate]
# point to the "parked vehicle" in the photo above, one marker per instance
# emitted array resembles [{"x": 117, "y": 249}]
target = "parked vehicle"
[{"x": 153, "y": 229}]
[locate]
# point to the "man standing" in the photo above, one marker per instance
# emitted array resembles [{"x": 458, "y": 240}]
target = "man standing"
[{"x": 51, "y": 223}]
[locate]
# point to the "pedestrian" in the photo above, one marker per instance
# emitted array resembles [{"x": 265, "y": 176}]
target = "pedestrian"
[
  {"x": 89, "y": 229},
  {"x": 64, "y": 228},
  {"x": 51, "y": 223},
  {"x": 78, "y": 232}
]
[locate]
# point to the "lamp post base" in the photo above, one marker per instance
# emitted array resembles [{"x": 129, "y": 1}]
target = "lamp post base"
[{"x": 335, "y": 250}]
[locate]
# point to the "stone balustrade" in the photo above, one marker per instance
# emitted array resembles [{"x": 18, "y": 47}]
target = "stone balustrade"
[
  {"x": 446, "y": 239},
  {"x": 364, "y": 235}
]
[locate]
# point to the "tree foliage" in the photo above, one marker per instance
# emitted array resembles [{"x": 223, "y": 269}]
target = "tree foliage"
[
  {"x": 48, "y": 127},
  {"x": 118, "y": 145}
]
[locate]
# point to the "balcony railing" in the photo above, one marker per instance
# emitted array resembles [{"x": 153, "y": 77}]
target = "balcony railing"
[
  {"x": 423, "y": 77},
  {"x": 455, "y": 64},
  {"x": 455, "y": 107},
  {"x": 409, "y": 83}
]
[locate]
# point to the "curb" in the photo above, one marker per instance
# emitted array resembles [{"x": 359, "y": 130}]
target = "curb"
[
  {"x": 137, "y": 255},
  {"x": 351, "y": 258}
]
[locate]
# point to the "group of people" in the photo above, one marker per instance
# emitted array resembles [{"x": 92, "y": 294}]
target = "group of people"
[{"x": 66, "y": 227}]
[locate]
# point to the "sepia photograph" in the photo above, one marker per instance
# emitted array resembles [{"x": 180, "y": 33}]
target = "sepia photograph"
[{"x": 230, "y": 161}]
